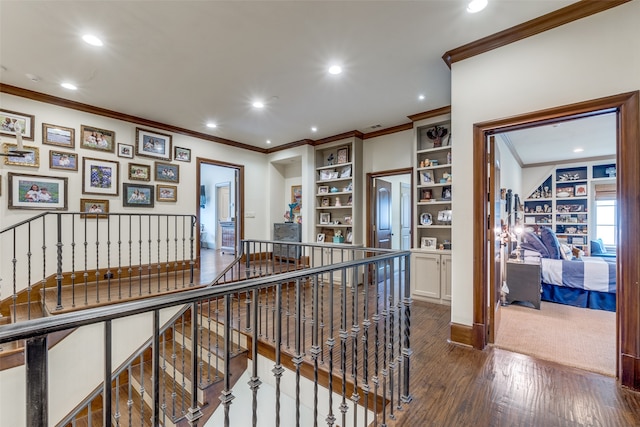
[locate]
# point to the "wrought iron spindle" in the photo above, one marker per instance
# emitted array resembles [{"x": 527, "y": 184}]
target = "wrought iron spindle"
[
  {"x": 344, "y": 335},
  {"x": 331, "y": 419},
  {"x": 254, "y": 382}
]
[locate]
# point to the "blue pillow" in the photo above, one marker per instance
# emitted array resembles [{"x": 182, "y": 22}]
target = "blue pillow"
[
  {"x": 597, "y": 247},
  {"x": 532, "y": 242},
  {"x": 551, "y": 242}
]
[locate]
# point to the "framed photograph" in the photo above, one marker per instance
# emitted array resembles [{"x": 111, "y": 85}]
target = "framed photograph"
[
  {"x": 138, "y": 172},
  {"x": 137, "y": 195},
  {"x": 426, "y": 177},
  {"x": 347, "y": 220},
  {"x": 345, "y": 172},
  {"x": 167, "y": 172},
  {"x": 320, "y": 238},
  {"x": 343, "y": 155},
  {"x": 296, "y": 197},
  {"x": 125, "y": 150},
  {"x": 182, "y": 154},
  {"x": 166, "y": 193},
  {"x": 323, "y": 189},
  {"x": 349, "y": 238},
  {"x": 31, "y": 159},
  {"x": 37, "y": 192},
  {"x": 580, "y": 190},
  {"x": 94, "y": 208},
  {"x": 153, "y": 144},
  {"x": 426, "y": 195},
  {"x": 446, "y": 193},
  {"x": 100, "y": 176},
  {"x": 58, "y": 135},
  {"x": 10, "y": 120},
  {"x": 324, "y": 202},
  {"x": 325, "y": 218},
  {"x": 97, "y": 139},
  {"x": 63, "y": 160},
  {"x": 426, "y": 218},
  {"x": 428, "y": 243}
]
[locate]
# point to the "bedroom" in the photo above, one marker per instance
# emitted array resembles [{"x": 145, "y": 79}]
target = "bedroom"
[{"x": 560, "y": 213}]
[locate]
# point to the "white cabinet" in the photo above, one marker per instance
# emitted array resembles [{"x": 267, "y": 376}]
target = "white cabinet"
[{"x": 431, "y": 276}]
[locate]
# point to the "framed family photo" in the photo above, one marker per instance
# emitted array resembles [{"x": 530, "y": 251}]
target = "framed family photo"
[
  {"x": 153, "y": 144},
  {"x": 167, "y": 172},
  {"x": 63, "y": 160},
  {"x": 31, "y": 158},
  {"x": 139, "y": 172},
  {"x": 428, "y": 243},
  {"x": 58, "y": 135},
  {"x": 100, "y": 176},
  {"x": 182, "y": 154},
  {"x": 97, "y": 139},
  {"x": 37, "y": 192},
  {"x": 94, "y": 208},
  {"x": 125, "y": 150},
  {"x": 12, "y": 120},
  {"x": 166, "y": 193},
  {"x": 137, "y": 195}
]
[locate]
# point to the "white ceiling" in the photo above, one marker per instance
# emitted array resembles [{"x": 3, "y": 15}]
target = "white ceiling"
[{"x": 185, "y": 63}]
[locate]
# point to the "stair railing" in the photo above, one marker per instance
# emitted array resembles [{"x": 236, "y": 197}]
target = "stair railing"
[{"x": 350, "y": 320}]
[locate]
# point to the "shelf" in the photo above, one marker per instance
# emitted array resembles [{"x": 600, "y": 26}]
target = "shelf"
[
  {"x": 434, "y": 226},
  {"x": 434, "y": 202},
  {"x": 321, "y": 208},
  {"x": 446, "y": 165},
  {"x": 334, "y": 225},
  {"x": 336, "y": 193},
  {"x": 434, "y": 150},
  {"x": 337, "y": 165},
  {"x": 445, "y": 184}
]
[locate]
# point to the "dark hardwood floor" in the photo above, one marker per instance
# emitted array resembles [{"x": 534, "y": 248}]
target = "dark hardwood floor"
[{"x": 453, "y": 385}]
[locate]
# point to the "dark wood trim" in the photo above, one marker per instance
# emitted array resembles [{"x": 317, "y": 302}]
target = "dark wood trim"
[
  {"x": 289, "y": 145},
  {"x": 431, "y": 113},
  {"x": 370, "y": 200},
  {"x": 628, "y": 189},
  {"x": 350, "y": 134},
  {"x": 388, "y": 131},
  {"x": 461, "y": 334},
  {"x": 573, "y": 12},
  {"x": 86, "y": 108}
]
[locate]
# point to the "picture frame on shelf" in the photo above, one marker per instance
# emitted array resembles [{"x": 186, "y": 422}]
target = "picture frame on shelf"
[
  {"x": 30, "y": 158},
  {"x": 580, "y": 190},
  {"x": 349, "y": 237},
  {"x": 296, "y": 197},
  {"x": 167, "y": 172},
  {"x": 324, "y": 202},
  {"x": 428, "y": 243},
  {"x": 342, "y": 155},
  {"x": 139, "y": 172},
  {"x": 446, "y": 192},
  {"x": 137, "y": 195},
  {"x": 347, "y": 220},
  {"x": 323, "y": 189},
  {"x": 166, "y": 193},
  {"x": 426, "y": 195},
  {"x": 100, "y": 176},
  {"x": 94, "y": 208},
  {"x": 325, "y": 218},
  {"x": 320, "y": 238},
  {"x": 426, "y": 177},
  {"x": 445, "y": 216},
  {"x": 9, "y": 120},
  {"x": 345, "y": 172},
  {"x": 93, "y": 138},
  {"x": 63, "y": 160},
  {"x": 125, "y": 150},
  {"x": 182, "y": 154},
  {"x": 426, "y": 218},
  {"x": 58, "y": 135},
  {"x": 37, "y": 192},
  {"x": 327, "y": 174},
  {"x": 152, "y": 144}
]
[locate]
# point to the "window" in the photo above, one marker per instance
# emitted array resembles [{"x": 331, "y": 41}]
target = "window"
[{"x": 606, "y": 221}]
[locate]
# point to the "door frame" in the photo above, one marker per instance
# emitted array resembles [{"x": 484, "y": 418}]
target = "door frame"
[
  {"x": 238, "y": 197},
  {"x": 371, "y": 200},
  {"x": 627, "y": 107}
]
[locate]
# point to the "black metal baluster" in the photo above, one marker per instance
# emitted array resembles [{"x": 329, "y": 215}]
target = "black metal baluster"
[
  {"x": 315, "y": 347},
  {"x": 140, "y": 254},
  {"x": 255, "y": 382},
  {"x": 119, "y": 257},
  {"x": 331, "y": 419},
  {"x": 106, "y": 385},
  {"x": 97, "y": 262},
  {"x": 86, "y": 271},
  {"x": 109, "y": 273},
  {"x": 406, "y": 351},
  {"x": 366, "y": 323},
  {"x": 392, "y": 314},
  {"x": 344, "y": 335},
  {"x": 227, "y": 395},
  {"x": 297, "y": 360}
]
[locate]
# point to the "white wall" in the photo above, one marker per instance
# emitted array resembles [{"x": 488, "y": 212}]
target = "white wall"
[{"x": 591, "y": 58}]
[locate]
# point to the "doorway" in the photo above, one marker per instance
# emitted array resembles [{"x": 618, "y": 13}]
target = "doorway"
[
  {"x": 389, "y": 209},
  {"x": 626, "y": 107}
]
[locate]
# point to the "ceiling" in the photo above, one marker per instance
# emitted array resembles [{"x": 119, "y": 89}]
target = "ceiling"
[{"x": 186, "y": 63}]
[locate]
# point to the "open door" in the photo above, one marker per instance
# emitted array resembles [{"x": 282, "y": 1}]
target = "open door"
[
  {"x": 382, "y": 218},
  {"x": 494, "y": 240}
]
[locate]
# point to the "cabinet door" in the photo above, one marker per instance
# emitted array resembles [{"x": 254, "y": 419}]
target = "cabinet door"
[
  {"x": 425, "y": 275},
  {"x": 445, "y": 276}
]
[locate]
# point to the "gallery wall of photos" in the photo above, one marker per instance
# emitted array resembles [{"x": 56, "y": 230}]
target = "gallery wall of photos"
[{"x": 111, "y": 172}]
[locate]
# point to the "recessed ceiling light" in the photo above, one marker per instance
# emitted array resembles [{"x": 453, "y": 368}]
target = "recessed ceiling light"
[
  {"x": 92, "y": 40},
  {"x": 258, "y": 104},
  {"x": 335, "y": 69},
  {"x": 69, "y": 86},
  {"x": 578, "y": 150},
  {"x": 314, "y": 129},
  {"x": 421, "y": 97},
  {"x": 476, "y": 5},
  {"x": 212, "y": 125},
  {"x": 268, "y": 141}
]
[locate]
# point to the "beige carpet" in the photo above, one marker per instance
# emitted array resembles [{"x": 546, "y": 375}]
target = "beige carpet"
[{"x": 572, "y": 336}]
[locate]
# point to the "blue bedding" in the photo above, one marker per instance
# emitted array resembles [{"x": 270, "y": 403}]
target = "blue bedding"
[{"x": 588, "y": 273}]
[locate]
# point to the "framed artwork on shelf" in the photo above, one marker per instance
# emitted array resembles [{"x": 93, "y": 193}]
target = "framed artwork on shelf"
[
  {"x": 10, "y": 121},
  {"x": 342, "y": 155},
  {"x": 324, "y": 202},
  {"x": 349, "y": 237},
  {"x": 345, "y": 172},
  {"x": 94, "y": 208},
  {"x": 320, "y": 238},
  {"x": 63, "y": 160},
  {"x": 100, "y": 176},
  {"x": 446, "y": 193},
  {"x": 94, "y": 138},
  {"x": 137, "y": 195},
  {"x": 182, "y": 154},
  {"x": 30, "y": 156},
  {"x": 166, "y": 193},
  {"x": 323, "y": 189},
  {"x": 580, "y": 190},
  {"x": 37, "y": 192},
  {"x": 125, "y": 150},
  {"x": 167, "y": 172},
  {"x": 428, "y": 243},
  {"x": 139, "y": 172},
  {"x": 296, "y": 197},
  {"x": 426, "y": 195},
  {"x": 426, "y": 177},
  {"x": 325, "y": 218},
  {"x": 58, "y": 135},
  {"x": 426, "y": 218},
  {"x": 153, "y": 144}
]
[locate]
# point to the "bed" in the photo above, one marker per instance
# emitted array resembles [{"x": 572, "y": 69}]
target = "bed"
[{"x": 588, "y": 282}]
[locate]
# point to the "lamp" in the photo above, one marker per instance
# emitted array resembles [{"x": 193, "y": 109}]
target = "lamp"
[
  {"x": 519, "y": 230},
  {"x": 20, "y": 152}
]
